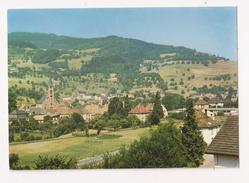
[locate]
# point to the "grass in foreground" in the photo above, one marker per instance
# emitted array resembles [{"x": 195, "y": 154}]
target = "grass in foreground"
[{"x": 77, "y": 147}]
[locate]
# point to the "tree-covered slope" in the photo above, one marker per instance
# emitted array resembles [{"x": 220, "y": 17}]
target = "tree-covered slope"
[{"x": 110, "y": 46}]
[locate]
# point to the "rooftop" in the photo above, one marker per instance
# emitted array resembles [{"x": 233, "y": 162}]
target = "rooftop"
[
  {"x": 201, "y": 102},
  {"x": 141, "y": 109},
  {"x": 226, "y": 142},
  {"x": 204, "y": 121}
]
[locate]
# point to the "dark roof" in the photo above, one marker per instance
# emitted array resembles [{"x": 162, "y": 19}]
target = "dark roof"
[
  {"x": 201, "y": 102},
  {"x": 37, "y": 110},
  {"x": 215, "y": 100},
  {"x": 19, "y": 113},
  {"x": 226, "y": 142}
]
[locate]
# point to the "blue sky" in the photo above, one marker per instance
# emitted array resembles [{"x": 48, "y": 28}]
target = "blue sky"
[{"x": 211, "y": 30}]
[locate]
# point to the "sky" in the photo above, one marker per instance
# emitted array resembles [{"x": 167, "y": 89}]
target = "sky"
[{"x": 211, "y": 30}]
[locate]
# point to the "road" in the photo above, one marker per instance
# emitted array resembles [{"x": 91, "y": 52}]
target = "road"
[{"x": 95, "y": 159}]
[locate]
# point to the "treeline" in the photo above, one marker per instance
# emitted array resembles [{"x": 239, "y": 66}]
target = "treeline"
[
  {"x": 21, "y": 44},
  {"x": 31, "y": 93},
  {"x": 214, "y": 90},
  {"x": 44, "y": 57},
  {"x": 224, "y": 77},
  {"x": 131, "y": 49}
]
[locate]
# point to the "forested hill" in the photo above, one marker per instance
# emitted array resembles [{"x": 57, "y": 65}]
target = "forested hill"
[{"x": 109, "y": 46}]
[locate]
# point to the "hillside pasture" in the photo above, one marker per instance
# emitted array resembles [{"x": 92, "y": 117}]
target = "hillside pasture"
[{"x": 201, "y": 73}]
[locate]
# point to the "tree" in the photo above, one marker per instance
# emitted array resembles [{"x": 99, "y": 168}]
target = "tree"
[
  {"x": 115, "y": 107},
  {"x": 191, "y": 136},
  {"x": 127, "y": 105},
  {"x": 14, "y": 163},
  {"x": 157, "y": 111},
  {"x": 12, "y": 101},
  {"x": 99, "y": 125},
  {"x": 173, "y": 101},
  {"x": 54, "y": 162},
  {"x": 78, "y": 121}
]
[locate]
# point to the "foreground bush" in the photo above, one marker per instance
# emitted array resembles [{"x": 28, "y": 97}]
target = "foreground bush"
[
  {"x": 162, "y": 149},
  {"x": 55, "y": 162}
]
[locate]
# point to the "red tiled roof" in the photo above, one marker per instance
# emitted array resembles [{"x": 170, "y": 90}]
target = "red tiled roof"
[{"x": 141, "y": 109}]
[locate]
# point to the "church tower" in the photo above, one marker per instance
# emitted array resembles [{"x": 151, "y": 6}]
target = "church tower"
[{"x": 50, "y": 97}]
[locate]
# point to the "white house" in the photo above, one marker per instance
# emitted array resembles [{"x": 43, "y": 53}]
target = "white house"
[
  {"x": 208, "y": 126},
  {"x": 225, "y": 146}
]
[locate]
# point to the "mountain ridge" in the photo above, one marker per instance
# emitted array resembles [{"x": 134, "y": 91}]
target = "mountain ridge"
[{"x": 110, "y": 45}]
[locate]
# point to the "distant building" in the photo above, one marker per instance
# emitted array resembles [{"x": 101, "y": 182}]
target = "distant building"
[
  {"x": 36, "y": 111},
  {"x": 201, "y": 104},
  {"x": 142, "y": 111},
  {"x": 225, "y": 111},
  {"x": 216, "y": 103},
  {"x": 40, "y": 117},
  {"x": 18, "y": 115},
  {"x": 225, "y": 146}
]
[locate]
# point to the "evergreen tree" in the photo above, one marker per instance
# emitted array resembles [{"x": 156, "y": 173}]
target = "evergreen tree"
[
  {"x": 157, "y": 112},
  {"x": 191, "y": 136},
  {"x": 12, "y": 100},
  {"x": 115, "y": 107},
  {"x": 127, "y": 105}
]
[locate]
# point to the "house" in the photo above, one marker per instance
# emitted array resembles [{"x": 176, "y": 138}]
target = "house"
[
  {"x": 201, "y": 104},
  {"x": 93, "y": 110},
  {"x": 87, "y": 116},
  {"x": 208, "y": 126},
  {"x": 142, "y": 111},
  {"x": 18, "y": 115},
  {"x": 40, "y": 117},
  {"x": 225, "y": 111},
  {"x": 216, "y": 103},
  {"x": 36, "y": 111},
  {"x": 225, "y": 146}
]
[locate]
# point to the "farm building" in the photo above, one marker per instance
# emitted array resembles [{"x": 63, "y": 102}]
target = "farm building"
[{"x": 225, "y": 146}]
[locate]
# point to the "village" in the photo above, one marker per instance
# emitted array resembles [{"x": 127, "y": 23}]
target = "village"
[{"x": 208, "y": 115}]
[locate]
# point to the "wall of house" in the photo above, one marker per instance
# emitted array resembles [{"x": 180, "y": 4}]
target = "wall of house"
[
  {"x": 142, "y": 117},
  {"x": 209, "y": 134},
  {"x": 224, "y": 161}
]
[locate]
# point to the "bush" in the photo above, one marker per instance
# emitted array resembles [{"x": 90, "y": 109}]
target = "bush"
[
  {"x": 55, "y": 162},
  {"x": 162, "y": 149},
  {"x": 173, "y": 101},
  {"x": 179, "y": 115}
]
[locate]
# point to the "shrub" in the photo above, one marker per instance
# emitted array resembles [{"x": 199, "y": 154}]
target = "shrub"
[
  {"x": 55, "y": 162},
  {"x": 162, "y": 149}
]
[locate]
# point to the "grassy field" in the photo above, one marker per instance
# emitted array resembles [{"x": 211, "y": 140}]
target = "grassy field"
[{"x": 76, "y": 147}]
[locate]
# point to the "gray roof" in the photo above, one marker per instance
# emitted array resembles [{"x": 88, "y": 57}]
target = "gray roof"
[
  {"x": 37, "y": 110},
  {"x": 226, "y": 142}
]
